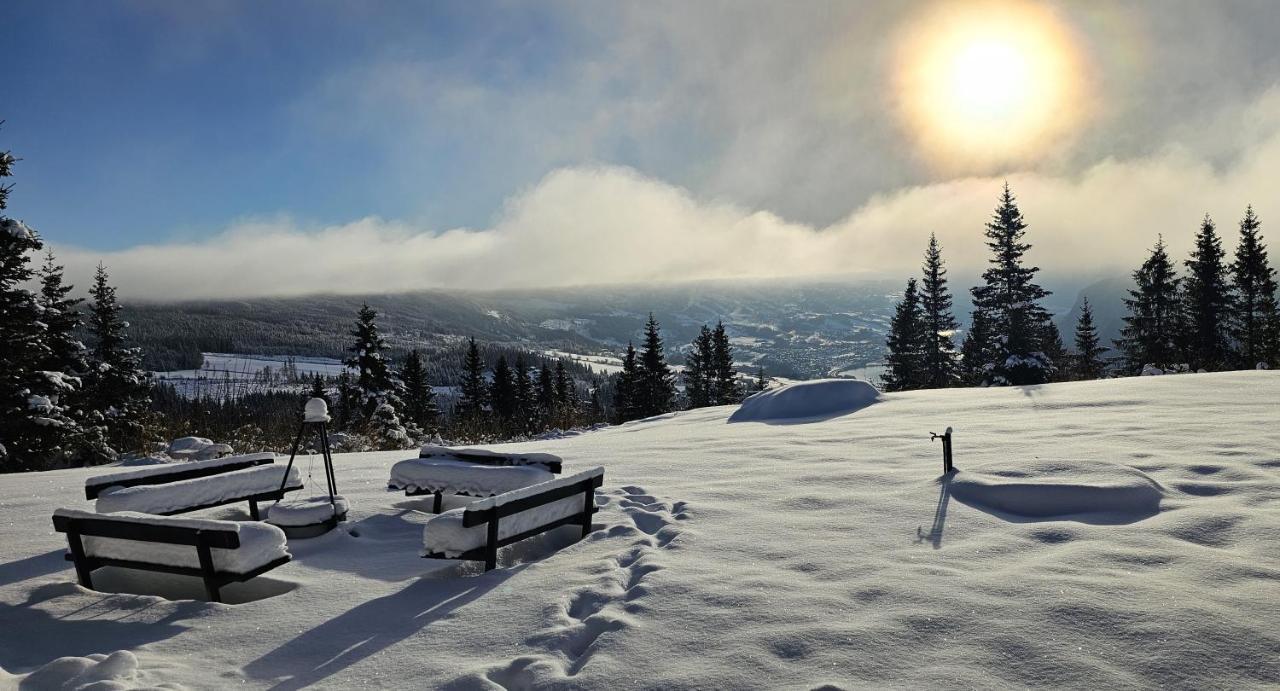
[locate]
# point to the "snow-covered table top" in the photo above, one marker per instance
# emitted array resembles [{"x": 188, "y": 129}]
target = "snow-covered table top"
[
  {"x": 461, "y": 477},
  {"x": 200, "y": 491},
  {"x": 487, "y": 457},
  {"x": 260, "y": 543}
]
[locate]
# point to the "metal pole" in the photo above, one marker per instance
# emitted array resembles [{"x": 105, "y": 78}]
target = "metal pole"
[
  {"x": 292, "y": 454},
  {"x": 328, "y": 463}
]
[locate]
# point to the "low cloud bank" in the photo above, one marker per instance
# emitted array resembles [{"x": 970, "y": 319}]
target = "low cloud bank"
[{"x": 593, "y": 225}]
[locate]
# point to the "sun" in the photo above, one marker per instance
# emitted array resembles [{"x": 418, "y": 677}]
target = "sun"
[{"x": 986, "y": 84}]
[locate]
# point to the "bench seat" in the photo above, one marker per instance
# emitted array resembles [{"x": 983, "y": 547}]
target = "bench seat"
[
  {"x": 219, "y": 552},
  {"x": 477, "y": 530},
  {"x": 162, "y": 473},
  {"x": 252, "y": 484}
]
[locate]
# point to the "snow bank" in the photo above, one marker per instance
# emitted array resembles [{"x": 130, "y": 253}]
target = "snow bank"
[
  {"x": 821, "y": 398},
  {"x": 115, "y": 672},
  {"x": 445, "y": 532},
  {"x": 158, "y": 468},
  {"x": 200, "y": 491},
  {"x": 300, "y": 512},
  {"x": 461, "y": 477},
  {"x": 1088, "y": 491},
  {"x": 197, "y": 449},
  {"x": 259, "y": 543}
]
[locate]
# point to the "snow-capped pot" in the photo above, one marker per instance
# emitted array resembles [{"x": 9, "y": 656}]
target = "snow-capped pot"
[{"x": 316, "y": 410}]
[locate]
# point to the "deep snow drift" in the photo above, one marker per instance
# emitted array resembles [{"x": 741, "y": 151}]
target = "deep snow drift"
[
  {"x": 750, "y": 556},
  {"x": 807, "y": 400}
]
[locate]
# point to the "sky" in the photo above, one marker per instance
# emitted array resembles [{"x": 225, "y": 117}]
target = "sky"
[{"x": 233, "y": 149}]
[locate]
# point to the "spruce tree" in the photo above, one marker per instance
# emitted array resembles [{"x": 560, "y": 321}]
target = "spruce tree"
[
  {"x": 117, "y": 390},
  {"x": 596, "y": 410},
  {"x": 977, "y": 351},
  {"x": 502, "y": 392},
  {"x": 1207, "y": 301},
  {"x": 698, "y": 366},
  {"x": 1255, "y": 321},
  {"x": 547, "y": 402},
  {"x": 761, "y": 382},
  {"x": 1010, "y": 300},
  {"x": 655, "y": 390},
  {"x": 380, "y": 406},
  {"x": 625, "y": 391},
  {"x": 35, "y": 430},
  {"x": 1061, "y": 364},
  {"x": 1088, "y": 355},
  {"x": 566, "y": 397},
  {"x": 1151, "y": 327},
  {"x": 419, "y": 398},
  {"x": 318, "y": 390},
  {"x": 348, "y": 401},
  {"x": 526, "y": 400},
  {"x": 905, "y": 360},
  {"x": 940, "y": 365},
  {"x": 66, "y": 365},
  {"x": 473, "y": 389},
  {"x": 724, "y": 379}
]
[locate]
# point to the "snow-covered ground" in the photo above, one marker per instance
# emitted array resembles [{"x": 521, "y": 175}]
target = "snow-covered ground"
[
  {"x": 232, "y": 371},
  {"x": 1109, "y": 534}
]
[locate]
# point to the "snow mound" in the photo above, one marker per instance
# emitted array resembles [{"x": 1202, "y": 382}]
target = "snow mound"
[
  {"x": 302, "y": 512},
  {"x": 119, "y": 670},
  {"x": 820, "y": 398},
  {"x": 1086, "y": 491}
]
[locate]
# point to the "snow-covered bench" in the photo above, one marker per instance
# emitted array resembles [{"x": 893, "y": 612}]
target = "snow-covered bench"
[
  {"x": 219, "y": 552},
  {"x": 476, "y": 532},
  {"x": 470, "y": 472},
  {"x": 182, "y": 489}
]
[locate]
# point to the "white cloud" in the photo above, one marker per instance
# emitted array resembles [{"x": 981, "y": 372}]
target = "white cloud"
[{"x": 592, "y": 225}]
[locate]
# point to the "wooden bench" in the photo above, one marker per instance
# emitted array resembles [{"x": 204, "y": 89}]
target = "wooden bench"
[
  {"x": 532, "y": 511},
  {"x": 429, "y": 456},
  {"x": 169, "y": 475},
  {"x": 88, "y": 552}
]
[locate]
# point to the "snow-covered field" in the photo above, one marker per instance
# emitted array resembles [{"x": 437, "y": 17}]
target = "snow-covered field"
[
  {"x": 1110, "y": 534},
  {"x": 232, "y": 371}
]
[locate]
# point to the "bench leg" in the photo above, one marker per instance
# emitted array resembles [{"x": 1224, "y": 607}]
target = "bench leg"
[
  {"x": 211, "y": 585},
  {"x": 439, "y": 503},
  {"x": 491, "y": 546},
  {"x": 253, "y": 509},
  {"x": 588, "y": 506},
  {"x": 84, "y": 572}
]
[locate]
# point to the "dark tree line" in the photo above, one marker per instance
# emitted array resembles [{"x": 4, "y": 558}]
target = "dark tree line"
[
  {"x": 61, "y": 403},
  {"x": 1218, "y": 316}
]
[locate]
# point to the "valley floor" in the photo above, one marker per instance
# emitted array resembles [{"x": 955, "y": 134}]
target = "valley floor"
[{"x": 754, "y": 555}]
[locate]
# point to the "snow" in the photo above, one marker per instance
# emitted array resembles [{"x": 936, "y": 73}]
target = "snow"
[
  {"x": 16, "y": 228},
  {"x": 200, "y": 491},
  {"x": 316, "y": 410},
  {"x": 1084, "y": 490},
  {"x": 806, "y": 400},
  {"x": 309, "y": 511},
  {"x": 435, "y": 451},
  {"x": 164, "y": 468},
  {"x": 461, "y": 477},
  {"x": 97, "y": 672},
  {"x": 750, "y": 556},
  {"x": 259, "y": 543},
  {"x": 197, "y": 448}
]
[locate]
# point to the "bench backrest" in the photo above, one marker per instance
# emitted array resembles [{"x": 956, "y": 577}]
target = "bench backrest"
[
  {"x": 146, "y": 532},
  {"x": 514, "y": 502},
  {"x": 180, "y": 471}
]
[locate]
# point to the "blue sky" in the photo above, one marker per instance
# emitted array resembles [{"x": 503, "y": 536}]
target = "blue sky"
[{"x": 397, "y": 144}]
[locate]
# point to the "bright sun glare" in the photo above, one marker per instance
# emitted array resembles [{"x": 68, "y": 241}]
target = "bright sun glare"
[{"x": 985, "y": 84}]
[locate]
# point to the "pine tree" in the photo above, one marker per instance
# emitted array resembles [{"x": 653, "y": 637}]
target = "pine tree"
[
  {"x": 1255, "y": 321},
  {"x": 318, "y": 390},
  {"x": 724, "y": 379},
  {"x": 474, "y": 390},
  {"x": 905, "y": 360},
  {"x": 566, "y": 395},
  {"x": 380, "y": 405},
  {"x": 624, "y": 392},
  {"x": 117, "y": 390},
  {"x": 502, "y": 392},
  {"x": 1154, "y": 319},
  {"x": 66, "y": 365},
  {"x": 940, "y": 366},
  {"x": 1207, "y": 301},
  {"x": 1088, "y": 356},
  {"x": 697, "y": 370},
  {"x": 348, "y": 401},
  {"x": 596, "y": 411},
  {"x": 1055, "y": 353},
  {"x": 419, "y": 398},
  {"x": 1010, "y": 300},
  {"x": 655, "y": 390}
]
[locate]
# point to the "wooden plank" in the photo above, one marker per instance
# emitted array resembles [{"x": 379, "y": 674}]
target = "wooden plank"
[
  {"x": 273, "y": 495},
  {"x": 473, "y": 518},
  {"x": 144, "y": 532},
  {"x": 179, "y": 473}
]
